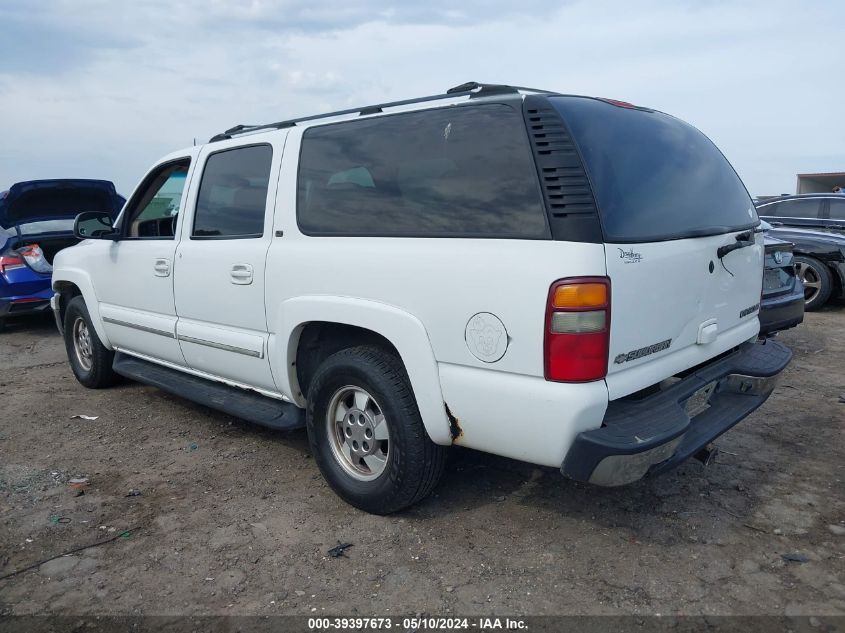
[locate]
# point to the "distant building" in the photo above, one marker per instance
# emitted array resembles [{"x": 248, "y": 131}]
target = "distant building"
[{"x": 820, "y": 183}]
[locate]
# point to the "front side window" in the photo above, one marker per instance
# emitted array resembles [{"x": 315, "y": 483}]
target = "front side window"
[
  {"x": 451, "y": 172},
  {"x": 154, "y": 209},
  {"x": 808, "y": 208},
  {"x": 233, "y": 194}
]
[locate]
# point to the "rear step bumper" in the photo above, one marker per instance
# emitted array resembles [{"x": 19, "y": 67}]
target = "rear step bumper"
[{"x": 654, "y": 434}]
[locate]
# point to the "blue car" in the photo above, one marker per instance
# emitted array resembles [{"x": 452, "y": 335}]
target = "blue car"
[{"x": 36, "y": 222}]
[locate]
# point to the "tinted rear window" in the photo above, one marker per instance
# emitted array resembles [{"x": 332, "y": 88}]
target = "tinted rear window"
[
  {"x": 654, "y": 176},
  {"x": 461, "y": 171}
]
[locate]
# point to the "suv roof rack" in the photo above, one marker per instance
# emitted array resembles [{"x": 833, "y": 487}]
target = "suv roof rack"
[{"x": 472, "y": 88}]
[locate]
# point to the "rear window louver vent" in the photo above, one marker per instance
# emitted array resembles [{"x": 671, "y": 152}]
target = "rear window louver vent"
[{"x": 566, "y": 189}]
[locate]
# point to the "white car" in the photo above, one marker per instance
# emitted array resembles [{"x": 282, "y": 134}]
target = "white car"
[{"x": 569, "y": 281}]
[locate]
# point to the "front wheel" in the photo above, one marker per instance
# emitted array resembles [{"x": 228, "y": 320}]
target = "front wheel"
[
  {"x": 366, "y": 432},
  {"x": 818, "y": 283},
  {"x": 89, "y": 359}
]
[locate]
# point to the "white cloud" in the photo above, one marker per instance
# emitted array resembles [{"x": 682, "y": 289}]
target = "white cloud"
[{"x": 117, "y": 87}]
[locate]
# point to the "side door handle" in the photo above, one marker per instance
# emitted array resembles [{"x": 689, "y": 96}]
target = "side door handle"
[
  {"x": 162, "y": 267},
  {"x": 241, "y": 274}
]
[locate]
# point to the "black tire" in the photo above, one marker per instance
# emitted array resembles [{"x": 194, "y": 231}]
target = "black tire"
[
  {"x": 2, "y": 324},
  {"x": 100, "y": 373},
  {"x": 414, "y": 464},
  {"x": 815, "y": 298}
]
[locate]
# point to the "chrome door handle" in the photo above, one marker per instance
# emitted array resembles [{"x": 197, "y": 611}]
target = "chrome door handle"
[
  {"x": 162, "y": 267},
  {"x": 241, "y": 274}
]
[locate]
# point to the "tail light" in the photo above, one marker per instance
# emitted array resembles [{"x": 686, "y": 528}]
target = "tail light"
[
  {"x": 10, "y": 260},
  {"x": 34, "y": 256},
  {"x": 577, "y": 335},
  {"x": 30, "y": 255}
]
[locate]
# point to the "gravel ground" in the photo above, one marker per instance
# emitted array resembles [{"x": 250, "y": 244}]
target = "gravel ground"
[{"x": 232, "y": 519}]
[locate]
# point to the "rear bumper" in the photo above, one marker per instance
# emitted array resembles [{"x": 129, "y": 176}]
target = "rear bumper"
[
  {"x": 22, "y": 306},
  {"x": 782, "y": 312},
  {"x": 655, "y": 433}
]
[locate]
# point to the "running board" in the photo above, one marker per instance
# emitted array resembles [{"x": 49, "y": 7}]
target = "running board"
[{"x": 241, "y": 403}]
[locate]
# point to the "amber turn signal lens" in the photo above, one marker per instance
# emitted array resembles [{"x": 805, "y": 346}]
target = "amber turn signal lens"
[{"x": 587, "y": 295}]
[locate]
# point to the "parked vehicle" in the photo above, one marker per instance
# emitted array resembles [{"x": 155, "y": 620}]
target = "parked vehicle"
[
  {"x": 782, "y": 303},
  {"x": 36, "y": 222},
  {"x": 819, "y": 262},
  {"x": 818, "y": 211},
  {"x": 558, "y": 279}
]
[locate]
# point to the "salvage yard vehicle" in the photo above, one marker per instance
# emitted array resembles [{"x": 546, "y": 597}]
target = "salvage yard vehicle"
[
  {"x": 569, "y": 281},
  {"x": 819, "y": 262},
  {"x": 36, "y": 222},
  {"x": 820, "y": 211},
  {"x": 782, "y": 304}
]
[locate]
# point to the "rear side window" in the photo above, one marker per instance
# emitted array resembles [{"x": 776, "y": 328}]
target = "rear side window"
[
  {"x": 233, "y": 193},
  {"x": 807, "y": 208},
  {"x": 452, "y": 172},
  {"x": 837, "y": 209},
  {"x": 654, "y": 177}
]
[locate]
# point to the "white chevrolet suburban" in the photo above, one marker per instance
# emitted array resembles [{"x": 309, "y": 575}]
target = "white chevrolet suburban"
[{"x": 569, "y": 281}]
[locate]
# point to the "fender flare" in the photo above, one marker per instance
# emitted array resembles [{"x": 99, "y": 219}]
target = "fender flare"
[
  {"x": 81, "y": 280},
  {"x": 406, "y": 332}
]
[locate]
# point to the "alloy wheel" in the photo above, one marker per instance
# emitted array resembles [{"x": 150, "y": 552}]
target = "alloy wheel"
[
  {"x": 82, "y": 344},
  {"x": 358, "y": 433},
  {"x": 811, "y": 279}
]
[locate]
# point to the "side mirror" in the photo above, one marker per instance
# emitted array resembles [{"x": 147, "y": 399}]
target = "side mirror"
[{"x": 95, "y": 225}]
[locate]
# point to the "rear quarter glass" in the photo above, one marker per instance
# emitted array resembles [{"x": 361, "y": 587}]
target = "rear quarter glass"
[
  {"x": 449, "y": 172},
  {"x": 654, "y": 177}
]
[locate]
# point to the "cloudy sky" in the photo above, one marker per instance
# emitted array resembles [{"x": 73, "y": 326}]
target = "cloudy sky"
[{"x": 102, "y": 89}]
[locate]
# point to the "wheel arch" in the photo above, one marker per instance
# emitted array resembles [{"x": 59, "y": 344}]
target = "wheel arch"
[
  {"x": 68, "y": 284},
  {"x": 348, "y": 322}
]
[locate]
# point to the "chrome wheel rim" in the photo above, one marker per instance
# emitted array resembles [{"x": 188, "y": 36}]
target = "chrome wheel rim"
[
  {"x": 811, "y": 279},
  {"x": 358, "y": 433},
  {"x": 82, "y": 344}
]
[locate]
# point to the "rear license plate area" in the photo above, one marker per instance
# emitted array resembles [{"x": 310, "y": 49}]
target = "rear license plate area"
[{"x": 775, "y": 279}]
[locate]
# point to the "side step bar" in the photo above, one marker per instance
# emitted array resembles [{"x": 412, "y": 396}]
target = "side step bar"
[{"x": 241, "y": 403}]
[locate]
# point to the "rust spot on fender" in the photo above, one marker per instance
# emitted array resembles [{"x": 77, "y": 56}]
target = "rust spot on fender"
[{"x": 454, "y": 426}]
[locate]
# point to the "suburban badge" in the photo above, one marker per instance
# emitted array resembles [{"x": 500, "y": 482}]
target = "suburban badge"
[{"x": 643, "y": 351}]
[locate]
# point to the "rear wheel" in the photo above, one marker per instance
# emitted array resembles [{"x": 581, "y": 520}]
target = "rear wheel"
[
  {"x": 818, "y": 283},
  {"x": 366, "y": 432},
  {"x": 90, "y": 360}
]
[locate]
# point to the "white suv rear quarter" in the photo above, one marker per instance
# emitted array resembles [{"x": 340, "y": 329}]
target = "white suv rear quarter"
[{"x": 466, "y": 315}]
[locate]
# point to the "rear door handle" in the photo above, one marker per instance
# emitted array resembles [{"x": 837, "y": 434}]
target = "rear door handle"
[
  {"x": 241, "y": 274},
  {"x": 162, "y": 267}
]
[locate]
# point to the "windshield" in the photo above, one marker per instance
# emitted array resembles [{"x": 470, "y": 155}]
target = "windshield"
[{"x": 654, "y": 177}]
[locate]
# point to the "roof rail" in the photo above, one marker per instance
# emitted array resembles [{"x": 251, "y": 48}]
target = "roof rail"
[{"x": 472, "y": 89}]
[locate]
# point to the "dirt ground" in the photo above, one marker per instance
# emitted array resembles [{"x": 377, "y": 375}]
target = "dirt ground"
[{"x": 233, "y": 519}]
